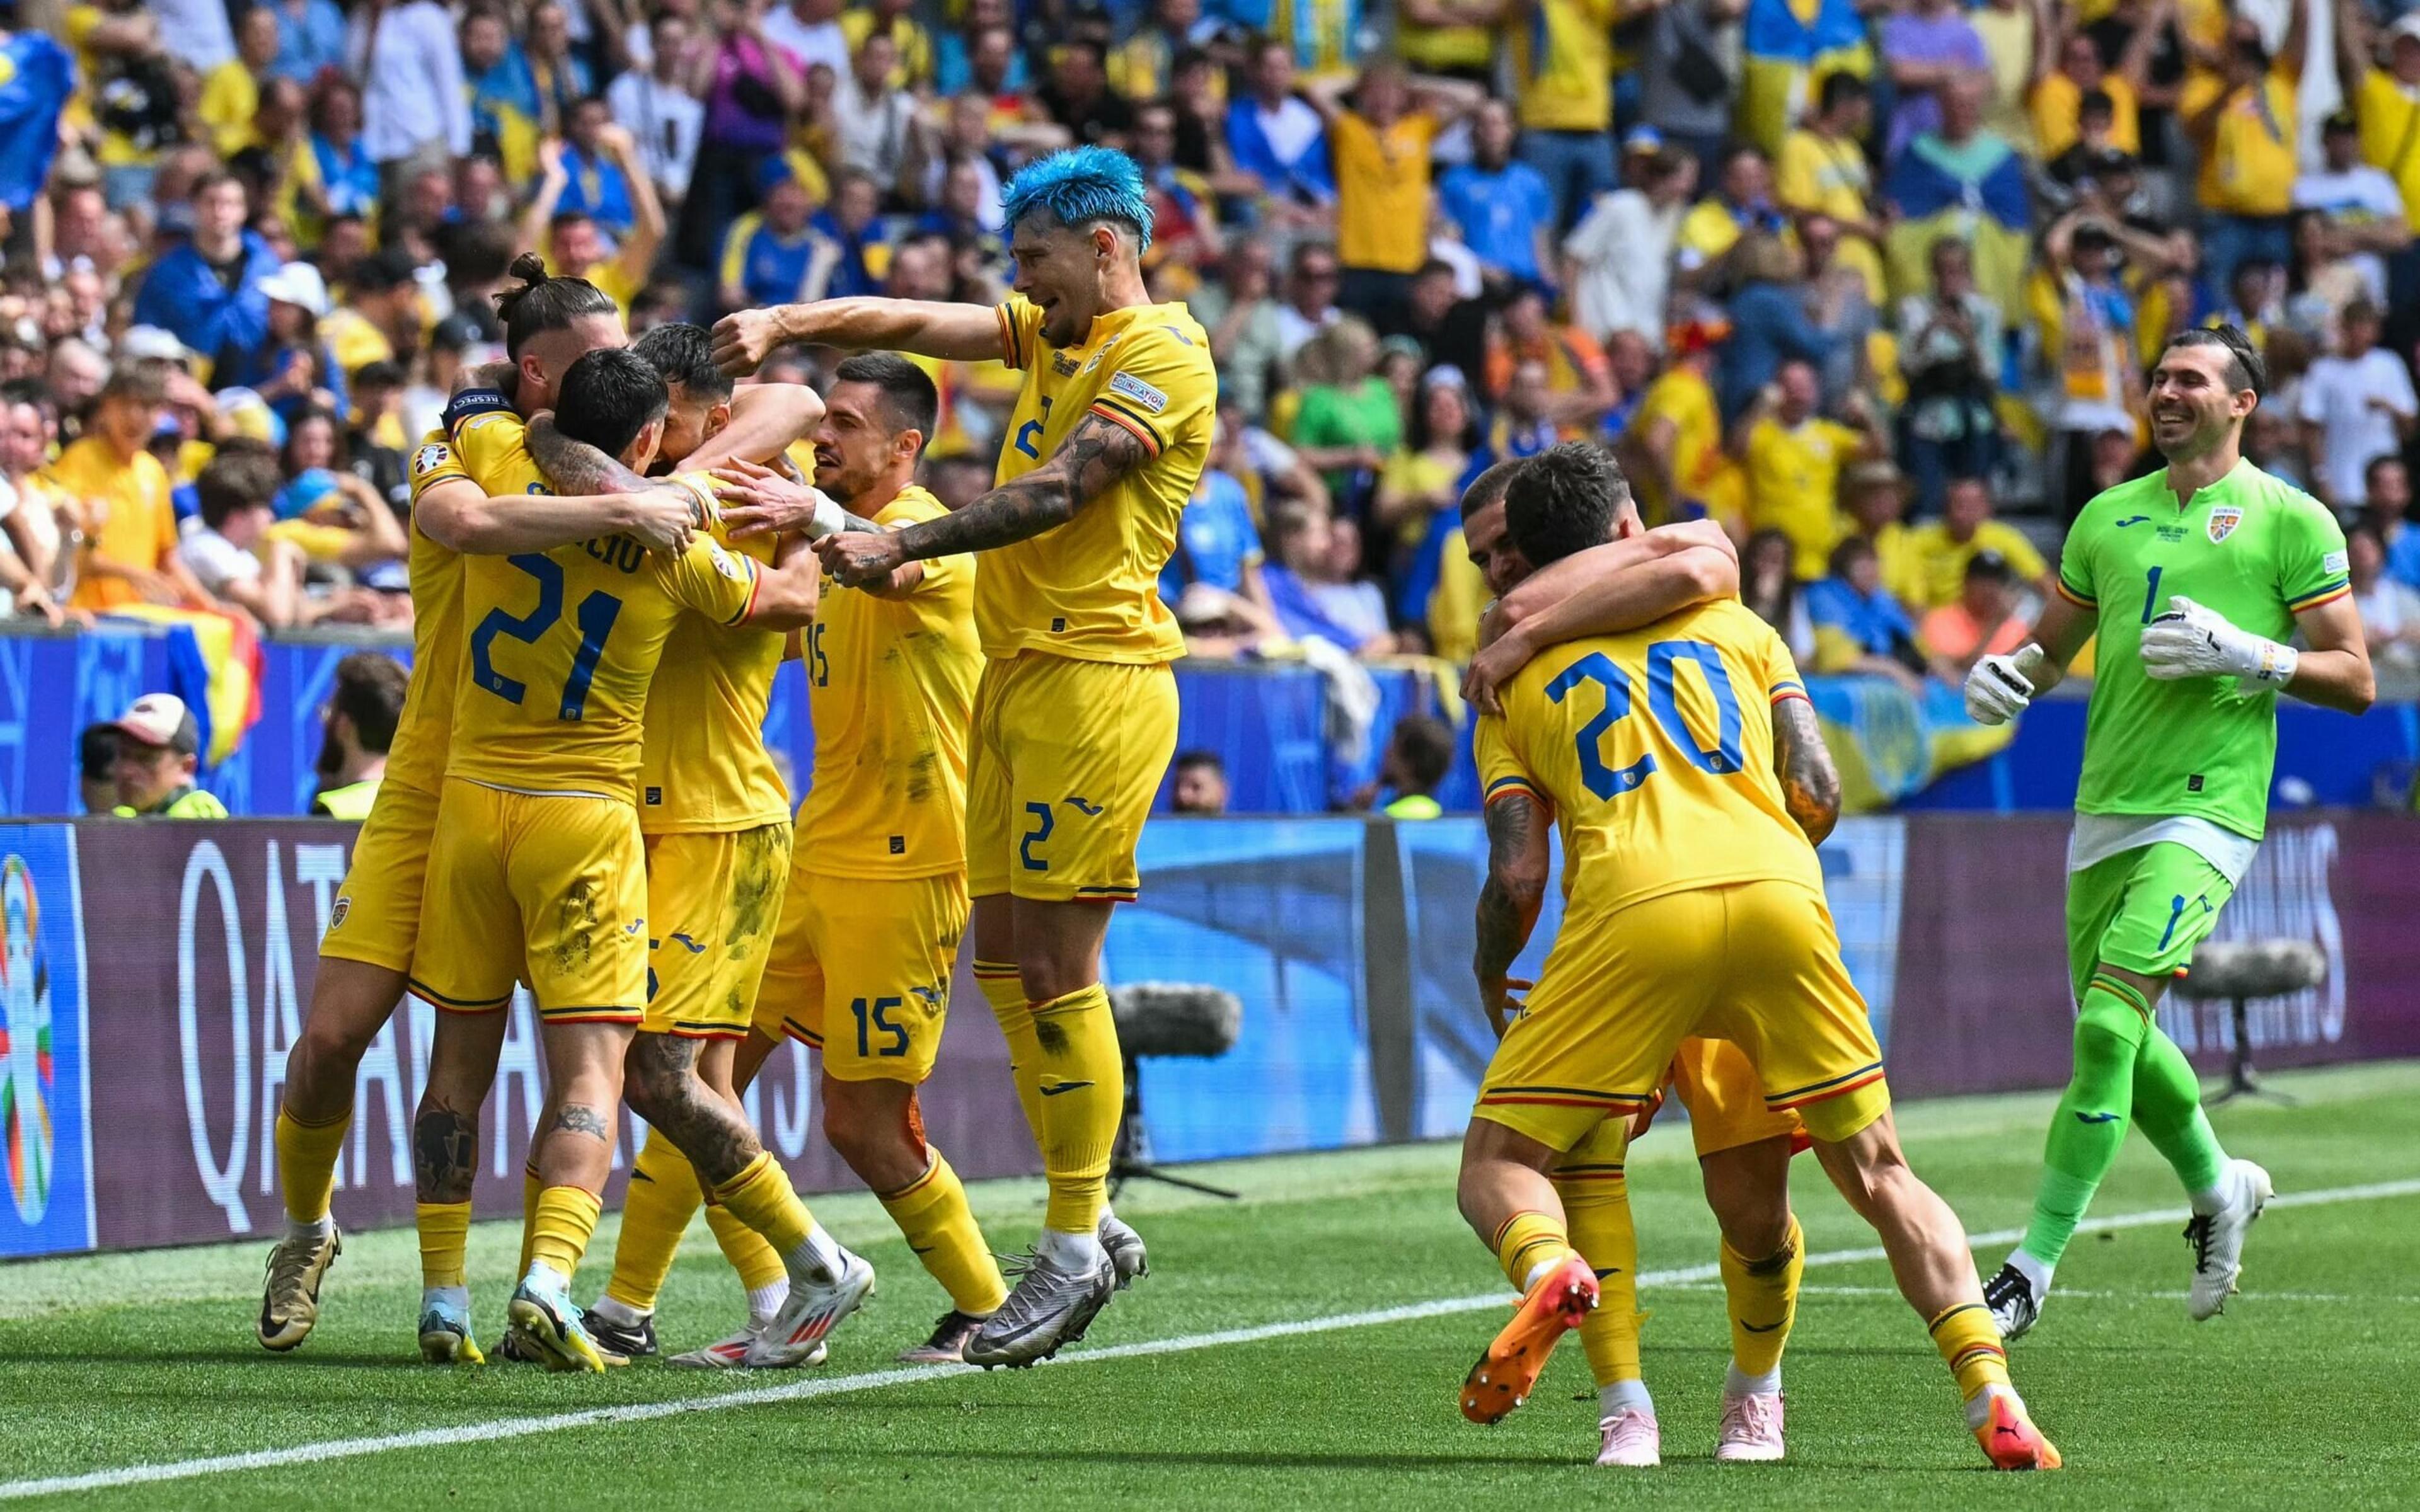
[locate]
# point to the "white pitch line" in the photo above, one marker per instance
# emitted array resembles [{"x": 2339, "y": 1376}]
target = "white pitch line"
[{"x": 519, "y": 1427}]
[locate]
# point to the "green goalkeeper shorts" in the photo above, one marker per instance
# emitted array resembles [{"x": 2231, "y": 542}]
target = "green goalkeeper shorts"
[{"x": 2142, "y": 911}]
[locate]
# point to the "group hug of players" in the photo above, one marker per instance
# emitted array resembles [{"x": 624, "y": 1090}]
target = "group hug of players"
[{"x": 609, "y": 559}]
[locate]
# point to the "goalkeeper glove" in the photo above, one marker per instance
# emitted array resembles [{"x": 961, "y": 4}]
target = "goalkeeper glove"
[
  {"x": 2192, "y": 641},
  {"x": 1998, "y": 686}
]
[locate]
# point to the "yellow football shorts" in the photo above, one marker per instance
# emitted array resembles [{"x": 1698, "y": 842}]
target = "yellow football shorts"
[
  {"x": 1756, "y": 963},
  {"x": 860, "y": 971},
  {"x": 712, "y": 901},
  {"x": 548, "y": 890},
  {"x": 1717, "y": 1084},
  {"x": 376, "y": 917},
  {"x": 1067, "y": 758}
]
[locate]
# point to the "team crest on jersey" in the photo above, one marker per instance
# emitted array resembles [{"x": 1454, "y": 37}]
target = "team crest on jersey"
[
  {"x": 2222, "y": 521},
  {"x": 429, "y": 458},
  {"x": 337, "y": 915},
  {"x": 1127, "y": 386}
]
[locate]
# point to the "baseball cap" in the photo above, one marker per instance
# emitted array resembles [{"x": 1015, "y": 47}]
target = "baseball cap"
[
  {"x": 1642, "y": 139},
  {"x": 152, "y": 342},
  {"x": 2408, "y": 25},
  {"x": 162, "y": 719},
  {"x": 298, "y": 284},
  {"x": 1881, "y": 472}
]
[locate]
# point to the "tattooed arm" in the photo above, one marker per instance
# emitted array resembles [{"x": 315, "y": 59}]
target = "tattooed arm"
[
  {"x": 1092, "y": 460},
  {"x": 1510, "y": 900},
  {"x": 1811, "y": 784}
]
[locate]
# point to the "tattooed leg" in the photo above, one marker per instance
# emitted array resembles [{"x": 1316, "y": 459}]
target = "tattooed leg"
[
  {"x": 705, "y": 1125},
  {"x": 446, "y": 1129},
  {"x": 584, "y": 1064}
]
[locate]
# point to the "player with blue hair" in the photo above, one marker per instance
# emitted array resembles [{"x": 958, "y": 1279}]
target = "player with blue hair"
[{"x": 1075, "y": 719}]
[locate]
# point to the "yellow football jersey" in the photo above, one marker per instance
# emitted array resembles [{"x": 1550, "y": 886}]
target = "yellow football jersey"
[
  {"x": 560, "y": 646},
  {"x": 891, "y": 685},
  {"x": 1654, "y": 749},
  {"x": 417, "y": 756},
  {"x": 1090, "y": 589},
  {"x": 704, "y": 766}
]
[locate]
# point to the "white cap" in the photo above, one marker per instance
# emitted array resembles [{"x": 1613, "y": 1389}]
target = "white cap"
[
  {"x": 298, "y": 284},
  {"x": 162, "y": 719},
  {"x": 142, "y": 343},
  {"x": 2408, "y": 25}
]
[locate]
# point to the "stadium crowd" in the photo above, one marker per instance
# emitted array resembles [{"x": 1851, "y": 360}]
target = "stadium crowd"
[{"x": 1855, "y": 279}]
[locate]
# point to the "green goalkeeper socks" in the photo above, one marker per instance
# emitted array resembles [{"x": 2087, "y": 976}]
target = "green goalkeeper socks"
[
  {"x": 2090, "y": 1127},
  {"x": 2167, "y": 1109}
]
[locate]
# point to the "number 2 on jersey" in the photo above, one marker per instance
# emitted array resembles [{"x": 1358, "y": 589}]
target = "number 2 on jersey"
[
  {"x": 1662, "y": 706},
  {"x": 595, "y": 616}
]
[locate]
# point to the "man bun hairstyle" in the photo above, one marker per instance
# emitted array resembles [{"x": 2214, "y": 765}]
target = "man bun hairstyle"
[{"x": 544, "y": 303}]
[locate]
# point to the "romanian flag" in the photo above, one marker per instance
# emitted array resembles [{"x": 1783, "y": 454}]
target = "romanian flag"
[{"x": 214, "y": 665}]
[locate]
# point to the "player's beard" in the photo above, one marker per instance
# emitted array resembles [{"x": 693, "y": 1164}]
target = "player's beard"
[{"x": 332, "y": 756}]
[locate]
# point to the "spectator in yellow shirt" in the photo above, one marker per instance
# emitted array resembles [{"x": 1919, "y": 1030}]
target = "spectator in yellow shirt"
[
  {"x": 1563, "y": 76},
  {"x": 122, "y": 494},
  {"x": 1742, "y": 202},
  {"x": 915, "y": 47},
  {"x": 2243, "y": 122},
  {"x": 579, "y": 247},
  {"x": 1379, "y": 146},
  {"x": 1945, "y": 546},
  {"x": 1874, "y": 502},
  {"x": 1794, "y": 457},
  {"x": 1823, "y": 171},
  {"x": 2387, "y": 101},
  {"x": 2073, "y": 69},
  {"x": 1674, "y": 447},
  {"x": 231, "y": 94}
]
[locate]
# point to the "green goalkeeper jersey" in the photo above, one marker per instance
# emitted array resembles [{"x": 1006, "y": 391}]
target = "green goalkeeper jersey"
[{"x": 2254, "y": 550}]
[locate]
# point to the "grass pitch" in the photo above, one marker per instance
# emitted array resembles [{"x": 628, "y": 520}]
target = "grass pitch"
[{"x": 1226, "y": 1378}]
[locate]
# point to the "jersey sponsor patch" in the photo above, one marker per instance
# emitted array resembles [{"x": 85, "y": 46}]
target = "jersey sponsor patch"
[
  {"x": 727, "y": 564},
  {"x": 429, "y": 458},
  {"x": 1126, "y": 385},
  {"x": 2222, "y": 521},
  {"x": 2334, "y": 563}
]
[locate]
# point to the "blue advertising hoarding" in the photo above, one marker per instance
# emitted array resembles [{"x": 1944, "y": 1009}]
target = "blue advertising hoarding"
[{"x": 45, "y": 1072}]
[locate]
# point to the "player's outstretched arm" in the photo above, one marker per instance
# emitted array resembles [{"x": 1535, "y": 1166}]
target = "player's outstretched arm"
[
  {"x": 1602, "y": 590},
  {"x": 460, "y": 516},
  {"x": 954, "y": 333},
  {"x": 2336, "y": 673},
  {"x": 1094, "y": 457},
  {"x": 1515, "y": 890},
  {"x": 757, "y": 500},
  {"x": 766, "y": 420},
  {"x": 1811, "y": 784}
]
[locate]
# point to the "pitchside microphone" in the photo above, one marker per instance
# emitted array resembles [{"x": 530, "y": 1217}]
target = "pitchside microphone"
[{"x": 1166, "y": 1019}]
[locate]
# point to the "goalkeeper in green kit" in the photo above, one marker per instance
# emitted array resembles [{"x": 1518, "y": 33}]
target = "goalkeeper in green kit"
[{"x": 2193, "y": 579}]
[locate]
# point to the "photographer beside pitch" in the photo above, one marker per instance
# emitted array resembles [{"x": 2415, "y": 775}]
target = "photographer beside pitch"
[{"x": 2192, "y": 579}]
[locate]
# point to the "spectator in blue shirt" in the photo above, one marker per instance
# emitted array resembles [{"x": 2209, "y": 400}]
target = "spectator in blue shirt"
[
  {"x": 850, "y": 222},
  {"x": 597, "y": 186},
  {"x": 1213, "y": 580},
  {"x": 1860, "y": 628},
  {"x": 35, "y": 90},
  {"x": 1276, "y": 137},
  {"x": 205, "y": 291},
  {"x": 771, "y": 255},
  {"x": 310, "y": 37},
  {"x": 1504, "y": 206},
  {"x": 1770, "y": 323},
  {"x": 2386, "y": 485}
]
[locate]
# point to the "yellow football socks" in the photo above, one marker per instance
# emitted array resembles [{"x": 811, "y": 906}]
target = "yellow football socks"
[
  {"x": 444, "y": 1236},
  {"x": 531, "y": 1187},
  {"x": 1005, "y": 991},
  {"x": 306, "y": 1163},
  {"x": 1596, "y": 1213},
  {"x": 1966, "y": 1338},
  {"x": 1081, "y": 1086},
  {"x": 663, "y": 1198},
  {"x": 758, "y": 1265},
  {"x": 566, "y": 1217},
  {"x": 1528, "y": 1241},
  {"x": 1763, "y": 1297},
  {"x": 932, "y": 1212},
  {"x": 761, "y": 1196}
]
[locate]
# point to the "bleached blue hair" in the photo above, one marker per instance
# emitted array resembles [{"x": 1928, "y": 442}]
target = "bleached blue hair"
[{"x": 1079, "y": 187}]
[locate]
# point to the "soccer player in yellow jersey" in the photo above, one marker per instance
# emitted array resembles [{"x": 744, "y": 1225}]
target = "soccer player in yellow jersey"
[
  {"x": 537, "y": 872},
  {"x": 372, "y": 929},
  {"x": 1744, "y": 1148},
  {"x": 1075, "y": 719},
  {"x": 878, "y": 900},
  {"x": 1694, "y": 904}
]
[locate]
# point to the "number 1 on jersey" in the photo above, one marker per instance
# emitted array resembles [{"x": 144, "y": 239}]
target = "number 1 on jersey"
[{"x": 2152, "y": 597}]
